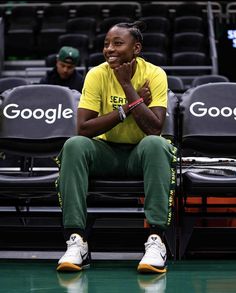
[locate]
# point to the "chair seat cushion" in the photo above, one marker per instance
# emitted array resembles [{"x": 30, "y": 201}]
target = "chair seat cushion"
[
  {"x": 209, "y": 184},
  {"x": 24, "y": 181},
  {"x": 116, "y": 186}
]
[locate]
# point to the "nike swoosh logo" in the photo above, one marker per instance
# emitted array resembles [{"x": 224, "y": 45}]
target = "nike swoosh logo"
[
  {"x": 83, "y": 255},
  {"x": 163, "y": 256}
]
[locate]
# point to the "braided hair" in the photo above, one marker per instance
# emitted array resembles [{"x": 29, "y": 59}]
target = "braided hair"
[{"x": 135, "y": 29}]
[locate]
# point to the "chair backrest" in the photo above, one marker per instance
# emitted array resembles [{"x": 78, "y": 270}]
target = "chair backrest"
[
  {"x": 155, "y": 42},
  {"x": 81, "y": 25},
  {"x": 155, "y": 9},
  {"x": 192, "y": 59},
  {"x": 37, "y": 119},
  {"x": 89, "y": 9},
  {"x": 95, "y": 59},
  {"x": 98, "y": 43},
  {"x": 11, "y": 82},
  {"x": 156, "y": 24},
  {"x": 47, "y": 41},
  {"x": 190, "y": 9},
  {"x": 23, "y": 17},
  {"x": 209, "y": 78},
  {"x": 157, "y": 58},
  {"x": 78, "y": 41},
  {"x": 189, "y": 24},
  {"x": 169, "y": 130},
  {"x": 175, "y": 83},
  {"x": 189, "y": 41},
  {"x": 55, "y": 15},
  {"x": 209, "y": 119},
  {"x": 189, "y": 58},
  {"x": 50, "y": 60},
  {"x": 108, "y": 22},
  {"x": 124, "y": 9}
]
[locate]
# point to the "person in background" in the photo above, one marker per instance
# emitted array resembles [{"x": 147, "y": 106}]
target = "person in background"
[
  {"x": 121, "y": 113},
  {"x": 65, "y": 73}
]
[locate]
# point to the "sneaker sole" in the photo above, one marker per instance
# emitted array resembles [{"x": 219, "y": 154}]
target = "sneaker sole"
[
  {"x": 145, "y": 268},
  {"x": 70, "y": 267}
]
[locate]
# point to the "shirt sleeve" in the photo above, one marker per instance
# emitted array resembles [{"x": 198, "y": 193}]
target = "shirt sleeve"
[
  {"x": 158, "y": 86},
  {"x": 91, "y": 92}
]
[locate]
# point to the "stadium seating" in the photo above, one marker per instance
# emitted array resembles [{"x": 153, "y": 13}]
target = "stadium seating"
[{"x": 93, "y": 19}]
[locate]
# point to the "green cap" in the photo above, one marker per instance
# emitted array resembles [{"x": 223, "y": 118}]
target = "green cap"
[{"x": 68, "y": 55}]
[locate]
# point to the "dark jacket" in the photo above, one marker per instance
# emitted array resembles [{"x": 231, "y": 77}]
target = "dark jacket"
[{"x": 74, "y": 82}]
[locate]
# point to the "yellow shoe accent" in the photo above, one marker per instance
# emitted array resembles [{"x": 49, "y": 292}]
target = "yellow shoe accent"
[
  {"x": 69, "y": 267},
  {"x": 145, "y": 268}
]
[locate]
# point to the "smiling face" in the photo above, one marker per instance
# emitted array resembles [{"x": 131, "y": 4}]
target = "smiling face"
[{"x": 120, "y": 47}]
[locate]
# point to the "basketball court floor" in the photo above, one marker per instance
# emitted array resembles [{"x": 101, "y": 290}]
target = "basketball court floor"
[{"x": 118, "y": 276}]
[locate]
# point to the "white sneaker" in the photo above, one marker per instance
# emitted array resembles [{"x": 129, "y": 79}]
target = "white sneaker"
[
  {"x": 154, "y": 259},
  {"x": 76, "y": 257}
]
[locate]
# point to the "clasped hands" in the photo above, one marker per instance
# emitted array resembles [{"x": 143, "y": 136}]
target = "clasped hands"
[{"x": 124, "y": 74}]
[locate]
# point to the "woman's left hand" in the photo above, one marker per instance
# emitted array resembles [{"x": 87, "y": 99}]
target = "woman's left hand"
[{"x": 124, "y": 72}]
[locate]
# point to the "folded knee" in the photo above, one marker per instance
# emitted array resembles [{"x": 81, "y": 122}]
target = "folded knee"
[
  {"x": 153, "y": 142},
  {"x": 77, "y": 144}
]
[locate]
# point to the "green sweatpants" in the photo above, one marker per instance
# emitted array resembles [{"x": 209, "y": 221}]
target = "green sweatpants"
[{"x": 152, "y": 159}]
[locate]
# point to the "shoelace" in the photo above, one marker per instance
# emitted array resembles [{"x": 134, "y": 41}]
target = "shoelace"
[
  {"x": 71, "y": 247},
  {"x": 152, "y": 243}
]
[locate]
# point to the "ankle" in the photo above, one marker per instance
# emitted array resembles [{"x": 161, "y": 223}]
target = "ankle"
[
  {"x": 69, "y": 231},
  {"x": 156, "y": 230}
]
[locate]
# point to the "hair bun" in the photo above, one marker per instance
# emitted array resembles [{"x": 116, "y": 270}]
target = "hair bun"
[{"x": 141, "y": 25}]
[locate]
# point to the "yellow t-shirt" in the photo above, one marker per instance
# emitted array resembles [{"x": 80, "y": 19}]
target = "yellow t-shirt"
[{"x": 103, "y": 93}]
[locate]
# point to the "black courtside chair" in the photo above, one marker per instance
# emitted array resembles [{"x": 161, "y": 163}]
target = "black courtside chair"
[
  {"x": 35, "y": 121},
  {"x": 208, "y": 161}
]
